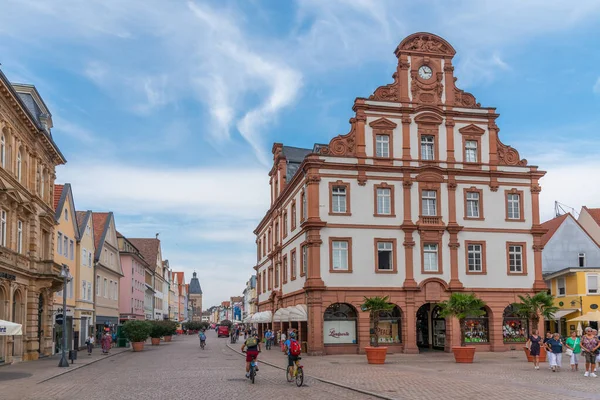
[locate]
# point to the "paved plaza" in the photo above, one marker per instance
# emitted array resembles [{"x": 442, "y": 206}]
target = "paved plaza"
[{"x": 181, "y": 370}]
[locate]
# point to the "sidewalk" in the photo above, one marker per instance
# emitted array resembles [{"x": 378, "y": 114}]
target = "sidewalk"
[
  {"x": 415, "y": 376},
  {"x": 33, "y": 372}
]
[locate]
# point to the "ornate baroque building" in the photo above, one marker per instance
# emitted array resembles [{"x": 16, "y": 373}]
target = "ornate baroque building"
[
  {"x": 195, "y": 298},
  {"x": 28, "y": 274},
  {"x": 420, "y": 199}
]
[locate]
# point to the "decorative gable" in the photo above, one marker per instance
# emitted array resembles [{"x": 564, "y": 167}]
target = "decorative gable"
[{"x": 472, "y": 130}]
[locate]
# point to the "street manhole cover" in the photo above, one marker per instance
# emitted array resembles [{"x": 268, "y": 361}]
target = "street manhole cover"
[
  {"x": 236, "y": 379},
  {"x": 9, "y": 376}
]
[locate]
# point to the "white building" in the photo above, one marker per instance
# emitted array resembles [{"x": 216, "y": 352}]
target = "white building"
[{"x": 419, "y": 199}]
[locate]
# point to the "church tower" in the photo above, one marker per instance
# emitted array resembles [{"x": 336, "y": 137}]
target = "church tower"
[{"x": 195, "y": 298}]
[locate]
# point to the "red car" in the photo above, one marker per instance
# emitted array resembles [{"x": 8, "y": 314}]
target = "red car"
[{"x": 222, "y": 331}]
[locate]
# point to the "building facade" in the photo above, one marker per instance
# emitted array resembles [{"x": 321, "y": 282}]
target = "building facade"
[
  {"x": 85, "y": 312},
  {"x": 195, "y": 299},
  {"x": 181, "y": 288},
  {"x": 133, "y": 282},
  {"x": 29, "y": 277},
  {"x": 154, "y": 298},
  {"x": 249, "y": 298},
  {"x": 65, "y": 253},
  {"x": 108, "y": 271},
  {"x": 420, "y": 199}
]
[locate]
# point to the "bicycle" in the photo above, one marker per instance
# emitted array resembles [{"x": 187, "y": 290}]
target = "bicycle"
[
  {"x": 202, "y": 344},
  {"x": 298, "y": 375},
  {"x": 252, "y": 372}
]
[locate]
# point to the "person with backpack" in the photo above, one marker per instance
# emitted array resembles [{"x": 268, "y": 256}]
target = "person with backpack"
[
  {"x": 293, "y": 350},
  {"x": 202, "y": 337},
  {"x": 252, "y": 345}
]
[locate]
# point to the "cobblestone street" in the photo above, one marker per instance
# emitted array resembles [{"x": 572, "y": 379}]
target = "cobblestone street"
[{"x": 176, "y": 370}]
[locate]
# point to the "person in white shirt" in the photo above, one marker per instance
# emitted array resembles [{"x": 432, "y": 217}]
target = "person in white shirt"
[{"x": 90, "y": 344}]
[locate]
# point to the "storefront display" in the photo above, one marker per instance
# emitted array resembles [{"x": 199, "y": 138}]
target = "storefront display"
[
  {"x": 339, "y": 324},
  {"x": 388, "y": 328},
  {"x": 477, "y": 329},
  {"x": 514, "y": 329}
]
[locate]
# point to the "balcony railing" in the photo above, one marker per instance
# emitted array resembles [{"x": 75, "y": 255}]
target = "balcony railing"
[{"x": 431, "y": 220}]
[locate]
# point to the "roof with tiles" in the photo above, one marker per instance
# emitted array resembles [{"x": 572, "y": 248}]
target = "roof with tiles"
[
  {"x": 552, "y": 226},
  {"x": 180, "y": 280},
  {"x": 99, "y": 220},
  {"x": 148, "y": 247},
  {"x": 594, "y": 213},
  {"x": 81, "y": 220},
  {"x": 58, "y": 189}
]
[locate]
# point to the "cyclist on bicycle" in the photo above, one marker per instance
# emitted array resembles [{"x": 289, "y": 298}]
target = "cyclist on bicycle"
[
  {"x": 202, "y": 336},
  {"x": 293, "y": 350},
  {"x": 252, "y": 345}
]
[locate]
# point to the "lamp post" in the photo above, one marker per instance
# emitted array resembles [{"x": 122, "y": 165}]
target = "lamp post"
[{"x": 64, "y": 272}]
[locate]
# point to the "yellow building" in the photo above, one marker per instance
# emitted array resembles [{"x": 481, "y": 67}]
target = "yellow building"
[
  {"x": 84, "y": 292},
  {"x": 67, "y": 236}
]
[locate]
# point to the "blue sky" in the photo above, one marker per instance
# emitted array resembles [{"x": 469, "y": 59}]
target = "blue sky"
[{"x": 167, "y": 110}]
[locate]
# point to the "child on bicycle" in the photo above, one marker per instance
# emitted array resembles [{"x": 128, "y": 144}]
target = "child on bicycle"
[
  {"x": 293, "y": 351},
  {"x": 202, "y": 337}
]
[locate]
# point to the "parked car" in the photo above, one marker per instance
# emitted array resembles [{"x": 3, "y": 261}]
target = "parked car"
[{"x": 222, "y": 331}]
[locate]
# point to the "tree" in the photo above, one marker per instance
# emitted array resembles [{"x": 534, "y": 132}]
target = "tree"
[
  {"x": 532, "y": 307},
  {"x": 375, "y": 305},
  {"x": 226, "y": 323},
  {"x": 461, "y": 306}
]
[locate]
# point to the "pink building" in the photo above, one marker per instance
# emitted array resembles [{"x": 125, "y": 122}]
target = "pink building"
[{"x": 132, "y": 287}]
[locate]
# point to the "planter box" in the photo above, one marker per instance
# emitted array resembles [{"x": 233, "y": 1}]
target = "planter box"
[
  {"x": 155, "y": 341},
  {"x": 530, "y": 357},
  {"x": 463, "y": 354},
  {"x": 168, "y": 338},
  {"x": 376, "y": 355},
  {"x": 137, "y": 346}
]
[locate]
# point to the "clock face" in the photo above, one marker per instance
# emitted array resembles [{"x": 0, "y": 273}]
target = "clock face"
[{"x": 425, "y": 72}]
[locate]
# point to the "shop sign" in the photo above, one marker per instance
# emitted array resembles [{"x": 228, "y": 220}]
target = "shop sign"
[
  {"x": 59, "y": 319},
  {"x": 339, "y": 332},
  {"x": 6, "y": 275}
]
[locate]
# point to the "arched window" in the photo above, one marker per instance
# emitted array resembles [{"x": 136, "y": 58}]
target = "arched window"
[
  {"x": 19, "y": 160},
  {"x": 389, "y": 327},
  {"x": 339, "y": 324},
  {"x": 477, "y": 330},
  {"x": 514, "y": 327},
  {"x": 3, "y": 151}
]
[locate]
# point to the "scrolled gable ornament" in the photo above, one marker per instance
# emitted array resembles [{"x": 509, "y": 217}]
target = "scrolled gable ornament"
[
  {"x": 388, "y": 92},
  {"x": 507, "y": 155},
  {"x": 341, "y": 145},
  {"x": 426, "y": 43}
]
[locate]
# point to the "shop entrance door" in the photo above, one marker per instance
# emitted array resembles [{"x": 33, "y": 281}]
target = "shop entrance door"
[{"x": 431, "y": 328}]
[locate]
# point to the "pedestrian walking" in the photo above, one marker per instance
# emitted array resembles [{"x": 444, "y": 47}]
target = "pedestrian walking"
[
  {"x": 278, "y": 338},
  {"x": 554, "y": 347},
  {"x": 589, "y": 347},
  {"x": 548, "y": 337},
  {"x": 283, "y": 339},
  {"x": 573, "y": 344},
  {"x": 106, "y": 342},
  {"x": 90, "y": 344},
  {"x": 533, "y": 344}
]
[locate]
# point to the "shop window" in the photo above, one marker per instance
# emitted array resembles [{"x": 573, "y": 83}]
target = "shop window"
[
  {"x": 339, "y": 324},
  {"x": 514, "y": 328},
  {"x": 477, "y": 329},
  {"x": 389, "y": 327}
]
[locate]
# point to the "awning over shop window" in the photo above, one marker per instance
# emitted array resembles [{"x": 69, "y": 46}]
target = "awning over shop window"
[
  {"x": 262, "y": 317},
  {"x": 298, "y": 313},
  {"x": 248, "y": 319},
  {"x": 561, "y": 313},
  {"x": 281, "y": 315}
]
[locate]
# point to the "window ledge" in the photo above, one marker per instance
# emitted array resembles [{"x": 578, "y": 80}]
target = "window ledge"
[
  {"x": 476, "y": 273},
  {"x": 386, "y": 271},
  {"x": 517, "y": 273},
  {"x": 340, "y": 271},
  {"x": 346, "y": 214},
  {"x": 432, "y": 272},
  {"x": 474, "y": 219},
  {"x": 385, "y": 215},
  {"x": 514, "y": 220}
]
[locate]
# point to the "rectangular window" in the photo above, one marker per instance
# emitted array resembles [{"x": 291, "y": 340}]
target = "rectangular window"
[
  {"x": 338, "y": 199},
  {"x": 89, "y": 290},
  {"x": 384, "y": 201},
  {"x": 105, "y": 287},
  {"x": 276, "y": 233},
  {"x": 19, "y": 236},
  {"x": 592, "y": 284},
  {"x": 285, "y": 269},
  {"x": 427, "y": 143},
  {"x": 116, "y": 291},
  {"x": 382, "y": 143},
  {"x": 515, "y": 258},
  {"x": 475, "y": 257},
  {"x": 514, "y": 206},
  {"x": 70, "y": 287},
  {"x": 304, "y": 206},
  {"x": 277, "y": 273},
  {"x": 339, "y": 255},
  {"x": 304, "y": 259},
  {"x": 471, "y": 151},
  {"x": 98, "y": 285},
  {"x": 90, "y": 259},
  {"x": 71, "y": 249},
  {"x": 293, "y": 216},
  {"x": 430, "y": 258},
  {"x": 561, "y": 285},
  {"x": 384, "y": 256},
  {"x": 83, "y": 290},
  {"x": 429, "y": 202},
  {"x": 293, "y": 264},
  {"x": 3, "y": 225},
  {"x": 60, "y": 243},
  {"x": 581, "y": 259},
  {"x": 84, "y": 256},
  {"x": 66, "y": 246},
  {"x": 285, "y": 224},
  {"x": 473, "y": 205}
]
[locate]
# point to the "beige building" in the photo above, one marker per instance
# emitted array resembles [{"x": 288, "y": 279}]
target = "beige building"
[
  {"x": 195, "y": 299},
  {"x": 28, "y": 274},
  {"x": 84, "y": 290},
  {"x": 107, "y": 269},
  {"x": 154, "y": 297},
  {"x": 65, "y": 253}
]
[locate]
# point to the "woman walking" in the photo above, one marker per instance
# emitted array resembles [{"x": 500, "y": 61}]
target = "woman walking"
[
  {"x": 573, "y": 350},
  {"x": 555, "y": 346},
  {"x": 90, "y": 344},
  {"x": 589, "y": 347},
  {"x": 106, "y": 342},
  {"x": 533, "y": 344}
]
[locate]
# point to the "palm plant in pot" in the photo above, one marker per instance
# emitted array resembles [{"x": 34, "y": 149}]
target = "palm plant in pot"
[
  {"x": 533, "y": 307},
  {"x": 156, "y": 331},
  {"x": 461, "y": 306},
  {"x": 137, "y": 332},
  {"x": 375, "y": 305}
]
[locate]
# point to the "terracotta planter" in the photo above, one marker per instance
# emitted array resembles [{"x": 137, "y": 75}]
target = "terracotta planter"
[
  {"x": 528, "y": 354},
  {"x": 137, "y": 346},
  {"x": 155, "y": 341},
  {"x": 463, "y": 354},
  {"x": 168, "y": 338},
  {"x": 542, "y": 354},
  {"x": 376, "y": 355}
]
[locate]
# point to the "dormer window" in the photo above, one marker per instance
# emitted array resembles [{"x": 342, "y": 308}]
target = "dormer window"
[{"x": 581, "y": 259}]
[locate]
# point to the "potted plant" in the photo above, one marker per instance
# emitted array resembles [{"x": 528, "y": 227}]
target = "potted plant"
[
  {"x": 532, "y": 307},
  {"x": 136, "y": 332},
  {"x": 170, "y": 328},
  {"x": 156, "y": 331},
  {"x": 461, "y": 306},
  {"x": 375, "y": 305}
]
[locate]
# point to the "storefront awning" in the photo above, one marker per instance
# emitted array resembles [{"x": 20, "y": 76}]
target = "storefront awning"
[
  {"x": 561, "y": 313},
  {"x": 263, "y": 317},
  {"x": 248, "y": 319},
  {"x": 8, "y": 328},
  {"x": 298, "y": 313},
  {"x": 281, "y": 315}
]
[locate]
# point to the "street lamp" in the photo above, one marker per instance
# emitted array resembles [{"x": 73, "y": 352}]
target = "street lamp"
[{"x": 64, "y": 273}]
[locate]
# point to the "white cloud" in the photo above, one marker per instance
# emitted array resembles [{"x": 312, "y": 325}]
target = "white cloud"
[{"x": 596, "y": 87}]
